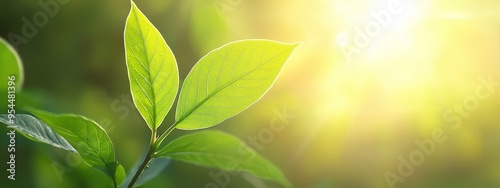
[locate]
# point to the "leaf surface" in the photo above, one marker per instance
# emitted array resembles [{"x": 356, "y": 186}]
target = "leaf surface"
[
  {"x": 220, "y": 150},
  {"x": 36, "y": 130},
  {"x": 119, "y": 174},
  {"x": 11, "y": 65},
  {"x": 152, "y": 68},
  {"x": 228, "y": 80},
  {"x": 87, "y": 137}
]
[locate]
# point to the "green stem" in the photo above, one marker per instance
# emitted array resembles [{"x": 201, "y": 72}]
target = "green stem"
[
  {"x": 145, "y": 162},
  {"x": 153, "y": 145},
  {"x": 164, "y": 135}
]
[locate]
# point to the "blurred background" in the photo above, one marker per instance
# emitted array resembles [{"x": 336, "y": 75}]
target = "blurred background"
[{"x": 369, "y": 79}]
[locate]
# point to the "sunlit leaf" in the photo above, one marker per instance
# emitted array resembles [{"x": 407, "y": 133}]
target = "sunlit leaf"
[
  {"x": 152, "y": 68},
  {"x": 228, "y": 80},
  {"x": 36, "y": 130},
  {"x": 220, "y": 150},
  {"x": 10, "y": 64},
  {"x": 87, "y": 137}
]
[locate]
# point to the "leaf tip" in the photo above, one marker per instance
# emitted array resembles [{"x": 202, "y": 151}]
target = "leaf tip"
[{"x": 297, "y": 44}]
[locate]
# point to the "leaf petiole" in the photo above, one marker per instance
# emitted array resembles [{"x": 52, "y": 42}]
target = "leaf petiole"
[{"x": 164, "y": 135}]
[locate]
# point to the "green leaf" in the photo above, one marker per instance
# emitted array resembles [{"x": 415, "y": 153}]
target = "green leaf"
[
  {"x": 152, "y": 68},
  {"x": 36, "y": 130},
  {"x": 11, "y": 65},
  {"x": 228, "y": 80},
  {"x": 220, "y": 150},
  {"x": 119, "y": 174},
  {"x": 87, "y": 137}
]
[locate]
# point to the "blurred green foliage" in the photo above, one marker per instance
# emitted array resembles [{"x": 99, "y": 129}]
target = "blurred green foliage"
[{"x": 347, "y": 123}]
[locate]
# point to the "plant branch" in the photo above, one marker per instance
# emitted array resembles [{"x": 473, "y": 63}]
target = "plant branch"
[
  {"x": 153, "y": 145},
  {"x": 114, "y": 182},
  {"x": 145, "y": 162}
]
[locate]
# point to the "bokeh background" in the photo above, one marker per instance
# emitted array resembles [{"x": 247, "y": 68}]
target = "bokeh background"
[{"x": 347, "y": 120}]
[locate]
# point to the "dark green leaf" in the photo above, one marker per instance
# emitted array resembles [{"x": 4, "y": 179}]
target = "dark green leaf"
[{"x": 87, "y": 137}]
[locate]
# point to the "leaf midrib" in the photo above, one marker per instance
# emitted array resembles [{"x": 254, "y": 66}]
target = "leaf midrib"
[
  {"x": 153, "y": 96},
  {"x": 223, "y": 87}
]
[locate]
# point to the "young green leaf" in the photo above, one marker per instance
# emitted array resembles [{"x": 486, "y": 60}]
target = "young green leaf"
[
  {"x": 119, "y": 174},
  {"x": 220, "y": 150},
  {"x": 228, "y": 80},
  {"x": 87, "y": 137},
  {"x": 11, "y": 65},
  {"x": 152, "y": 68},
  {"x": 36, "y": 130}
]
